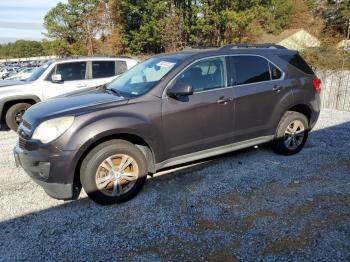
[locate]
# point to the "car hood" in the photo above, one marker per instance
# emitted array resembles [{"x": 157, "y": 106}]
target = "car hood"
[
  {"x": 70, "y": 106},
  {"x": 13, "y": 83}
]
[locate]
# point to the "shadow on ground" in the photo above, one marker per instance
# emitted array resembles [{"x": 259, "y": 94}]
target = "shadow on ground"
[{"x": 247, "y": 205}]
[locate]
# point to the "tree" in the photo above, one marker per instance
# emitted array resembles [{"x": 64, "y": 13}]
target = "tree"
[
  {"x": 337, "y": 16},
  {"x": 140, "y": 25},
  {"x": 173, "y": 30},
  {"x": 63, "y": 22},
  {"x": 21, "y": 48}
]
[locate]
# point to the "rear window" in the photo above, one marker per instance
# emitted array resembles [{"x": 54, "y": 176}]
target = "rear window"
[
  {"x": 102, "y": 69},
  {"x": 251, "y": 69},
  {"x": 297, "y": 62}
]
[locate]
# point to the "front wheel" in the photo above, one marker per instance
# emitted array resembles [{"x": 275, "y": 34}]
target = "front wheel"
[
  {"x": 291, "y": 133},
  {"x": 113, "y": 172},
  {"x": 15, "y": 114}
]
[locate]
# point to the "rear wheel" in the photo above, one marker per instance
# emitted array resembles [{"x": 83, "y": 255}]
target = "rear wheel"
[
  {"x": 113, "y": 172},
  {"x": 15, "y": 114},
  {"x": 291, "y": 133}
]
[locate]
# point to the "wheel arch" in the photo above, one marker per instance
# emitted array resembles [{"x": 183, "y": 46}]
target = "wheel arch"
[
  {"x": 302, "y": 109},
  {"x": 8, "y": 102},
  {"x": 138, "y": 141}
]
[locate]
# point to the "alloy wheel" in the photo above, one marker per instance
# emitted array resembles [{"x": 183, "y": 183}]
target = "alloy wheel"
[
  {"x": 294, "y": 134},
  {"x": 117, "y": 175}
]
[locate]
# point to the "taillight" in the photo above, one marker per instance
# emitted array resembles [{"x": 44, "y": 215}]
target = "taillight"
[{"x": 317, "y": 84}]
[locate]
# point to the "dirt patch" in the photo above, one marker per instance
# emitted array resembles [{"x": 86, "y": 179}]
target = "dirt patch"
[
  {"x": 304, "y": 238},
  {"x": 249, "y": 220},
  {"x": 222, "y": 256}
]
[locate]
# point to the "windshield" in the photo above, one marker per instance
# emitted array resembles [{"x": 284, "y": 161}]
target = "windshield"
[
  {"x": 39, "y": 71},
  {"x": 143, "y": 77}
]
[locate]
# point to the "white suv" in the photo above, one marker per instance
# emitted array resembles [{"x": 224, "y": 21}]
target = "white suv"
[{"x": 54, "y": 78}]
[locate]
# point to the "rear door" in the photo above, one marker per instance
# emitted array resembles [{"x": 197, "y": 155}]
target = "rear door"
[
  {"x": 258, "y": 88},
  {"x": 203, "y": 120},
  {"x": 74, "y": 76}
]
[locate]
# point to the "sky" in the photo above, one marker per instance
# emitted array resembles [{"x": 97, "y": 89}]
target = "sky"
[{"x": 23, "y": 19}]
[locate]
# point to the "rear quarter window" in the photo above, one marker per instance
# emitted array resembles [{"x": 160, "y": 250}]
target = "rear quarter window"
[
  {"x": 296, "y": 61},
  {"x": 121, "y": 67}
]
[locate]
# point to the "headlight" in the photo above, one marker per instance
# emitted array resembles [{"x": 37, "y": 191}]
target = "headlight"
[{"x": 51, "y": 129}]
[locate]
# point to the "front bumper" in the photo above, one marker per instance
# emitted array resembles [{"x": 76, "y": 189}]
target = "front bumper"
[{"x": 53, "y": 172}]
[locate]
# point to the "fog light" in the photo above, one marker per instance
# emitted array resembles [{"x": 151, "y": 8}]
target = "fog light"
[{"x": 44, "y": 169}]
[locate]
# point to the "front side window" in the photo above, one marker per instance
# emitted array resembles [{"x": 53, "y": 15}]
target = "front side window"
[
  {"x": 72, "y": 71},
  {"x": 101, "y": 69},
  {"x": 205, "y": 75},
  {"x": 250, "y": 69},
  {"x": 143, "y": 77}
]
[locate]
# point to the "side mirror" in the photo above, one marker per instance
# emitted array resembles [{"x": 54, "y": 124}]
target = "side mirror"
[
  {"x": 56, "y": 78},
  {"x": 180, "y": 89}
]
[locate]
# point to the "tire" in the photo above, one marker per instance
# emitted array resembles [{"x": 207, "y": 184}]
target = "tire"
[
  {"x": 287, "y": 140},
  {"x": 96, "y": 170},
  {"x": 14, "y": 115}
]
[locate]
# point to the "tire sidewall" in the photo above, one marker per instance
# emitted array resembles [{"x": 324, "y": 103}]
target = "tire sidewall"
[
  {"x": 284, "y": 123},
  {"x": 96, "y": 157},
  {"x": 11, "y": 114}
]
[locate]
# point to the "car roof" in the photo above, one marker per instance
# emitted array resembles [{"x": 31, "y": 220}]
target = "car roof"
[
  {"x": 94, "y": 58},
  {"x": 196, "y": 53}
]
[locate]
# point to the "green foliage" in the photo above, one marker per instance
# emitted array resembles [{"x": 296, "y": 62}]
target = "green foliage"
[
  {"x": 337, "y": 15},
  {"x": 21, "y": 48},
  {"x": 62, "y": 24},
  {"x": 152, "y": 26}
]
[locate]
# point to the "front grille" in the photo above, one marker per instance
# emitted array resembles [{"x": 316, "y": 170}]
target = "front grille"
[
  {"x": 22, "y": 143},
  {"x": 27, "y": 145},
  {"x": 26, "y": 124}
]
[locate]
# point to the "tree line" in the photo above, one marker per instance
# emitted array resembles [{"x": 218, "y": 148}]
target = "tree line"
[{"x": 113, "y": 27}]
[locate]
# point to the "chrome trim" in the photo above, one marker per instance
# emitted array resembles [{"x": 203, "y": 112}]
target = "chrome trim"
[{"x": 209, "y": 57}]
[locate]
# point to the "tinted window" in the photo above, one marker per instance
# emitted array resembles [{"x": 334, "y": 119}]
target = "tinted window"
[
  {"x": 275, "y": 72},
  {"x": 205, "y": 75},
  {"x": 298, "y": 62},
  {"x": 121, "y": 67},
  {"x": 102, "y": 69},
  {"x": 250, "y": 69},
  {"x": 72, "y": 71}
]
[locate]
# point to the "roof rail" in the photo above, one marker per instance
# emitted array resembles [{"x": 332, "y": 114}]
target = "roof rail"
[
  {"x": 272, "y": 46},
  {"x": 198, "y": 47}
]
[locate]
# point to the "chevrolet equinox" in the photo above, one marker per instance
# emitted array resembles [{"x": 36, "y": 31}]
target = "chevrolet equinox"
[{"x": 168, "y": 110}]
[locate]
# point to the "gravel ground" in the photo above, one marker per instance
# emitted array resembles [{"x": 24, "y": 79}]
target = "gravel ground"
[{"x": 245, "y": 206}]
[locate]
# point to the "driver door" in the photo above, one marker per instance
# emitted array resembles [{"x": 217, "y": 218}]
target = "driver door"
[
  {"x": 74, "y": 77},
  {"x": 203, "y": 120}
]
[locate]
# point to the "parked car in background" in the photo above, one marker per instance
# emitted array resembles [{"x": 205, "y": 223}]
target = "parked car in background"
[
  {"x": 54, "y": 78},
  {"x": 4, "y": 72},
  {"x": 22, "y": 74},
  {"x": 166, "y": 111}
]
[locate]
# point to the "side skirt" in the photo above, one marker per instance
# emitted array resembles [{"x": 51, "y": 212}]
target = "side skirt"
[{"x": 213, "y": 152}]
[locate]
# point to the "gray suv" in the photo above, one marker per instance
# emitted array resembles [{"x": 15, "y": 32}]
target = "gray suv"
[{"x": 168, "y": 110}]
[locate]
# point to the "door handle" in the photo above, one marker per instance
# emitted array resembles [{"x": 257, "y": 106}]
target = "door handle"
[
  {"x": 223, "y": 100},
  {"x": 81, "y": 86},
  {"x": 277, "y": 88}
]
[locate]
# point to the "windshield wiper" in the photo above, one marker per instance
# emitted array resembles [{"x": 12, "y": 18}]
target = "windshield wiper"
[{"x": 114, "y": 91}]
